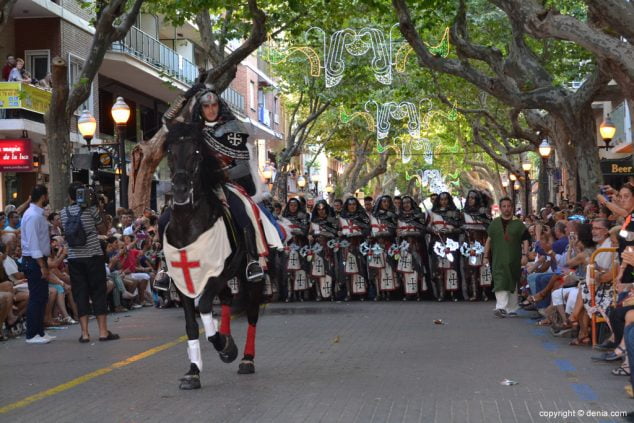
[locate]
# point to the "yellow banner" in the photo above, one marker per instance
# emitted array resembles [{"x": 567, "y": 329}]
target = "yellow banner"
[{"x": 18, "y": 95}]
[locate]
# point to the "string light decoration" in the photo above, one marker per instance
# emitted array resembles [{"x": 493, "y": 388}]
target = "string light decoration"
[
  {"x": 346, "y": 118},
  {"x": 439, "y": 50},
  {"x": 356, "y": 43},
  {"x": 431, "y": 178}
]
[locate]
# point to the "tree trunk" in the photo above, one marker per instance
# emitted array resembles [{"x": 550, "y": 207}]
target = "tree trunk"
[
  {"x": 57, "y": 125},
  {"x": 582, "y": 129},
  {"x": 149, "y": 153}
]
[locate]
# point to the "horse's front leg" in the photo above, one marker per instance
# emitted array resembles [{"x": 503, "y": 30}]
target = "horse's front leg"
[
  {"x": 254, "y": 299},
  {"x": 220, "y": 337},
  {"x": 191, "y": 379}
]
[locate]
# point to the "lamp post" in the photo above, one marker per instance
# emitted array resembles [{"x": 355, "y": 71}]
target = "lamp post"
[
  {"x": 120, "y": 114},
  {"x": 526, "y": 166},
  {"x": 87, "y": 125},
  {"x": 315, "y": 179},
  {"x": 544, "y": 187},
  {"x": 607, "y": 130}
]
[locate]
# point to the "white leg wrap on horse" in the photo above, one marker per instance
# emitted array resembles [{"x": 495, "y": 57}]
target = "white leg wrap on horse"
[
  {"x": 210, "y": 324},
  {"x": 193, "y": 351}
]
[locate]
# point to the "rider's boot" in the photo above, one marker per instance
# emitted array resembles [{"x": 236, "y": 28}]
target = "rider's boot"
[{"x": 254, "y": 271}]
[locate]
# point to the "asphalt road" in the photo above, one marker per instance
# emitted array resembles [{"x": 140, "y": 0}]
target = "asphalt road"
[{"x": 330, "y": 362}]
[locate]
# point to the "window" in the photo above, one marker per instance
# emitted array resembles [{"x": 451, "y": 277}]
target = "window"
[
  {"x": 252, "y": 95},
  {"x": 75, "y": 66},
  {"x": 38, "y": 62},
  {"x": 276, "y": 116}
]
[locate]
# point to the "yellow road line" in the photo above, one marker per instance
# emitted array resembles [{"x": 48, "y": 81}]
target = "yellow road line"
[{"x": 87, "y": 377}]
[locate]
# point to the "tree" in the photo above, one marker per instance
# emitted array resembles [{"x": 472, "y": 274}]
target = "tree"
[
  {"x": 114, "y": 20},
  {"x": 520, "y": 80}
]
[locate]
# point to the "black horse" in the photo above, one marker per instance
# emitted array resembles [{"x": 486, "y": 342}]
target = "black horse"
[{"x": 198, "y": 186}]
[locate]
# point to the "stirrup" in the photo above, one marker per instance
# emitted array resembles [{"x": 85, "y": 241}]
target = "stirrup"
[{"x": 254, "y": 272}]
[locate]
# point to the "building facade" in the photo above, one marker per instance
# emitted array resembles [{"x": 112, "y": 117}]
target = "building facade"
[{"x": 153, "y": 64}]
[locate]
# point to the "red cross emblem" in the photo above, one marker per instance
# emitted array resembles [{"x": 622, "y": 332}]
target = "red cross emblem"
[{"x": 186, "y": 265}]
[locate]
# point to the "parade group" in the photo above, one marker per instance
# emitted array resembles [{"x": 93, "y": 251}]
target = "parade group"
[{"x": 385, "y": 249}]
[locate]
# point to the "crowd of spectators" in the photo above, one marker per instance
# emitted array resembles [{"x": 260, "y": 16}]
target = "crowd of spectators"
[
  {"x": 568, "y": 282},
  {"x": 132, "y": 254}
]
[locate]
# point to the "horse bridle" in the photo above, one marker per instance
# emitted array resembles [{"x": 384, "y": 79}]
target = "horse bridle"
[{"x": 189, "y": 174}]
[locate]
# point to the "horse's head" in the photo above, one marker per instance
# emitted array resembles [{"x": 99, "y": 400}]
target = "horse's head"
[{"x": 184, "y": 157}]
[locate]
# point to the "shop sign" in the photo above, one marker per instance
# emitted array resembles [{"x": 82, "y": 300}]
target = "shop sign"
[
  {"x": 623, "y": 167},
  {"x": 18, "y": 95},
  {"x": 16, "y": 155}
]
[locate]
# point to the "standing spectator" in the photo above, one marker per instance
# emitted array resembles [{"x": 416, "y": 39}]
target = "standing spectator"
[
  {"x": 36, "y": 248},
  {"x": 86, "y": 263},
  {"x": 507, "y": 246},
  {"x": 14, "y": 222},
  {"x": 55, "y": 221},
  {"x": 17, "y": 73},
  {"x": 6, "y": 69}
]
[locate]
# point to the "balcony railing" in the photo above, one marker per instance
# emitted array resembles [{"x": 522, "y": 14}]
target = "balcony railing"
[
  {"x": 150, "y": 50},
  {"x": 234, "y": 99}
]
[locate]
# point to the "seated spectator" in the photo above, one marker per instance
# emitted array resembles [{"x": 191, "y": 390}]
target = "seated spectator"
[
  {"x": 60, "y": 280},
  {"x": 579, "y": 319},
  {"x": 13, "y": 224},
  {"x": 47, "y": 82},
  {"x": 55, "y": 222},
  {"x": 13, "y": 303},
  {"x": 132, "y": 269}
]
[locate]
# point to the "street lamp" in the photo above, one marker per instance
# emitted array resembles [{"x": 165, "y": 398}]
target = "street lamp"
[
  {"x": 120, "y": 114},
  {"x": 607, "y": 130},
  {"x": 526, "y": 167},
  {"x": 301, "y": 182},
  {"x": 545, "y": 149},
  {"x": 87, "y": 125}
]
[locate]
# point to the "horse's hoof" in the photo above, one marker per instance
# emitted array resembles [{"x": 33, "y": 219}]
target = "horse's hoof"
[
  {"x": 189, "y": 382},
  {"x": 230, "y": 352},
  {"x": 246, "y": 367}
]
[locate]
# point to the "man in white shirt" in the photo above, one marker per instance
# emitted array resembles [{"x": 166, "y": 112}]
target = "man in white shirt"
[{"x": 36, "y": 248}]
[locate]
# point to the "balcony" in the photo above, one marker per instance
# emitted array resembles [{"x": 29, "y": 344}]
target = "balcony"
[
  {"x": 151, "y": 51},
  {"x": 234, "y": 99}
]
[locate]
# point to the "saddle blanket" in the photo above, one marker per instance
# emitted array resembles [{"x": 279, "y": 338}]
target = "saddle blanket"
[{"x": 190, "y": 267}]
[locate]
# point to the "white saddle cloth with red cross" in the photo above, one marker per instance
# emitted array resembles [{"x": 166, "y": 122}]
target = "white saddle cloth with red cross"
[{"x": 192, "y": 266}]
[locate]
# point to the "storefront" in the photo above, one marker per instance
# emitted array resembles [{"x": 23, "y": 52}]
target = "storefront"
[
  {"x": 617, "y": 172},
  {"x": 17, "y": 170}
]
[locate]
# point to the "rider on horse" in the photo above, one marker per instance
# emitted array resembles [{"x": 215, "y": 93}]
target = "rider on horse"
[{"x": 228, "y": 141}]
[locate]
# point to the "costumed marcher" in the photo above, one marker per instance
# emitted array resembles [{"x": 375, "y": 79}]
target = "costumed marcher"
[
  {"x": 354, "y": 224},
  {"x": 413, "y": 264},
  {"x": 323, "y": 231},
  {"x": 444, "y": 224},
  {"x": 381, "y": 263},
  {"x": 506, "y": 249},
  {"x": 477, "y": 217},
  {"x": 296, "y": 265}
]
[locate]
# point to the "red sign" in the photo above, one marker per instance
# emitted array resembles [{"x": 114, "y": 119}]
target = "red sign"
[{"x": 16, "y": 155}]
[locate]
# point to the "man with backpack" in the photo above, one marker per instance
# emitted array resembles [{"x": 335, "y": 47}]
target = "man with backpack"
[{"x": 82, "y": 221}]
